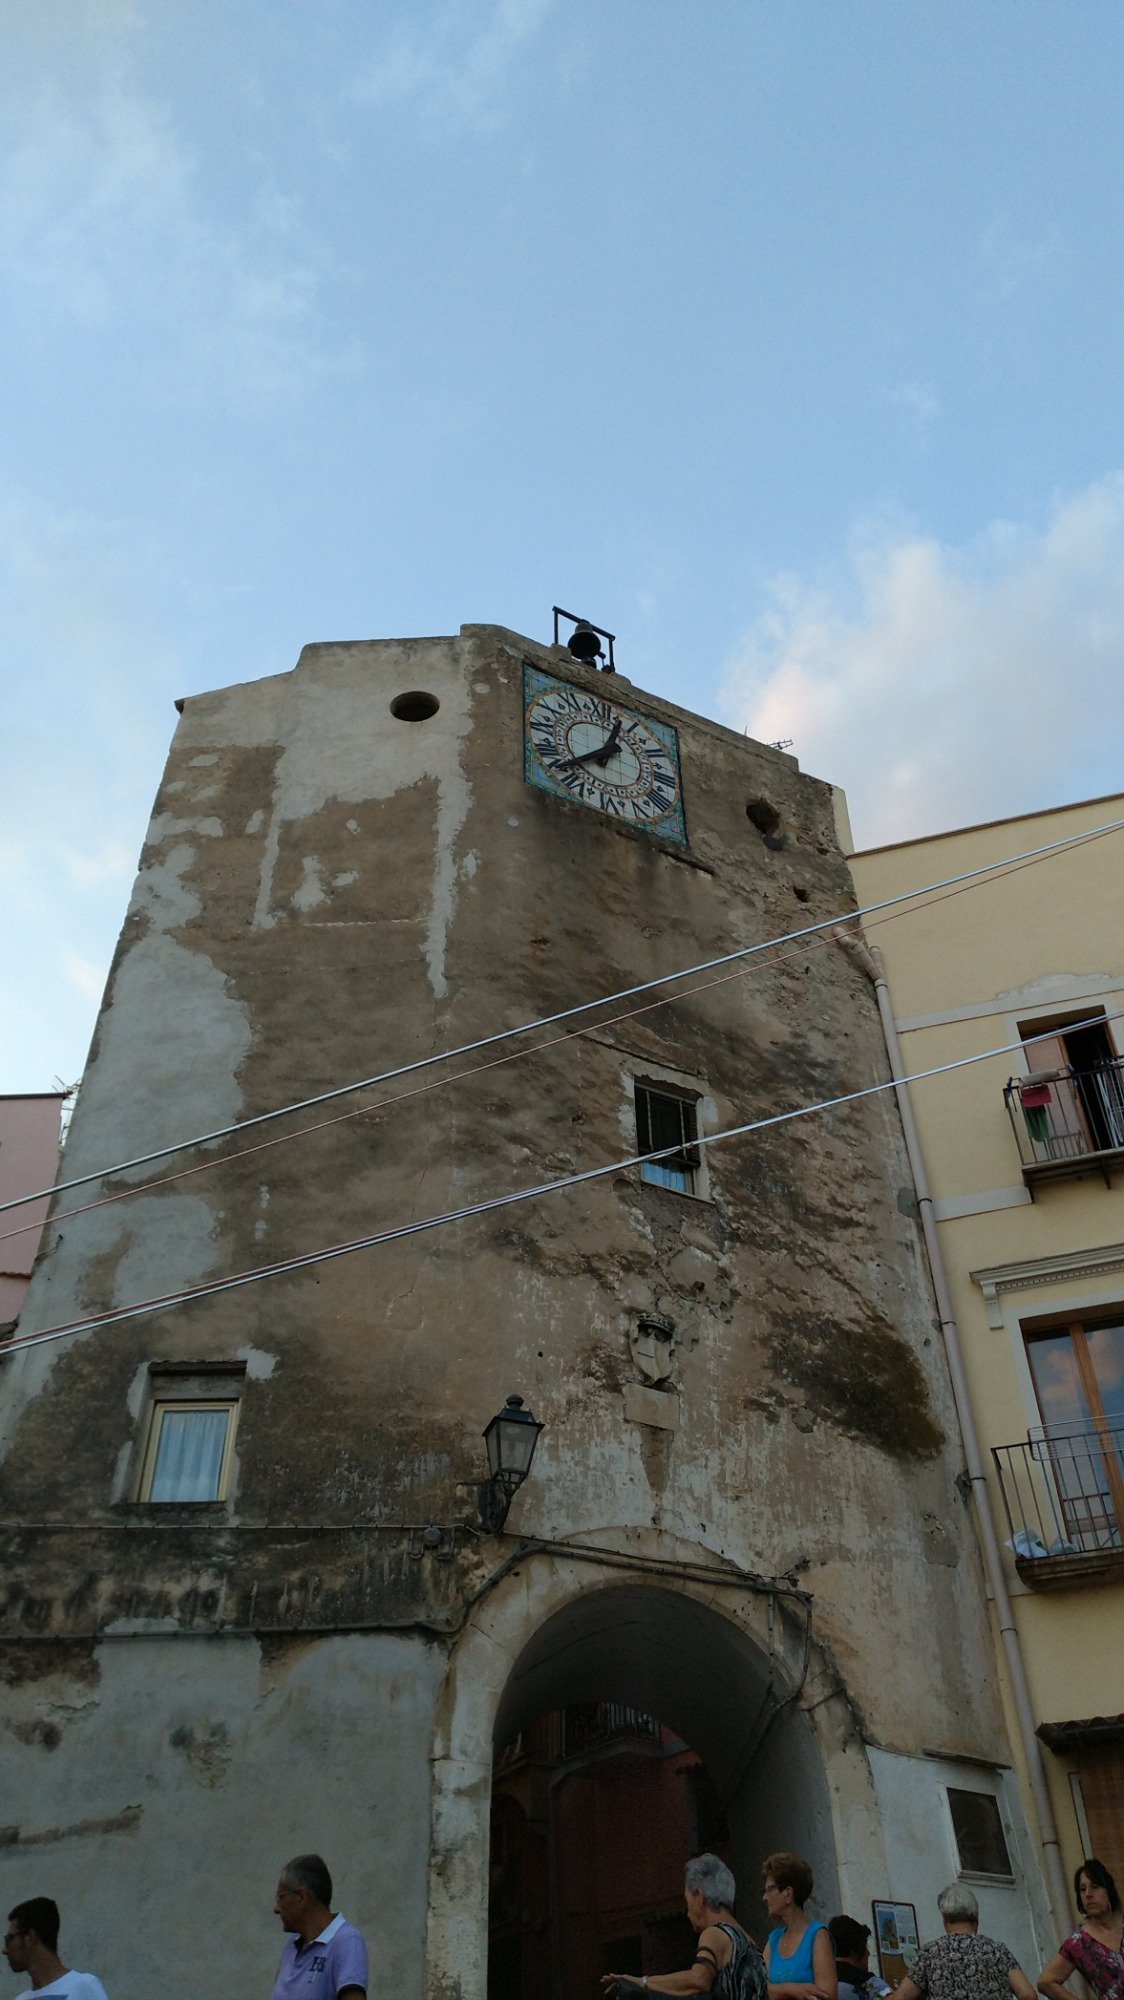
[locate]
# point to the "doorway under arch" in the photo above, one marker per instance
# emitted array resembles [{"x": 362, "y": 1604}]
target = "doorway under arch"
[
  {"x": 667, "y": 1689},
  {"x": 595, "y": 1809}
]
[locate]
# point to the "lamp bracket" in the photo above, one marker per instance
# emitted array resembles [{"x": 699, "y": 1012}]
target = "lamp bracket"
[{"x": 493, "y": 1502}]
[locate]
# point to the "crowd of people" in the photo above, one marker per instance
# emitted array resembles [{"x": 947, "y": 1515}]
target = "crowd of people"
[
  {"x": 807, "y": 1960},
  {"x": 325, "y": 1957}
]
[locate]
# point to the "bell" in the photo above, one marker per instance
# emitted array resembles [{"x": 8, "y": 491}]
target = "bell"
[{"x": 584, "y": 642}]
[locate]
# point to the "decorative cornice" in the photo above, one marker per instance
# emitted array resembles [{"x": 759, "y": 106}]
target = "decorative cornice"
[{"x": 1031, "y": 1271}]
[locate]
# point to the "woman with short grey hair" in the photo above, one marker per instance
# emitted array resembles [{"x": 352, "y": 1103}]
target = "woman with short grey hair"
[
  {"x": 727, "y": 1963},
  {"x": 963, "y": 1965},
  {"x": 957, "y": 1905},
  {"x": 707, "y": 1873}
]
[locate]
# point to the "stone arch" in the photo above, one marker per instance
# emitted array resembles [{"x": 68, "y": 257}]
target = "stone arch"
[{"x": 733, "y": 1670}]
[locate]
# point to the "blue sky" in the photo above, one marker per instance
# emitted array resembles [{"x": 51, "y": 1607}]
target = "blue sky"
[{"x": 782, "y": 338}]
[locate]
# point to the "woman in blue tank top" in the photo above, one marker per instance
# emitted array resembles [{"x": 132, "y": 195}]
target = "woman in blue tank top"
[{"x": 799, "y": 1955}]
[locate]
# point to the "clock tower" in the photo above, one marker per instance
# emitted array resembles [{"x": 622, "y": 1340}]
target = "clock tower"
[{"x": 465, "y": 921}]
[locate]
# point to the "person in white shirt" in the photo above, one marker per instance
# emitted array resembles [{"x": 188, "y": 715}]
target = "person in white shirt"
[
  {"x": 325, "y": 1958},
  {"x": 31, "y": 1946}
]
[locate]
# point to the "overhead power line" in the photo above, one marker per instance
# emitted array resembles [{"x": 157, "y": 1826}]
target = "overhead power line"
[
  {"x": 237, "y": 1280},
  {"x": 743, "y": 953},
  {"x": 803, "y": 950}
]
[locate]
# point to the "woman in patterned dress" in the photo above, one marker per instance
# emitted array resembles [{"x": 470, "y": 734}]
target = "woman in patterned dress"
[
  {"x": 964, "y": 1964},
  {"x": 1096, "y": 1948}
]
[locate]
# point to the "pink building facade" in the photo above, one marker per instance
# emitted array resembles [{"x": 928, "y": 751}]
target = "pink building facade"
[{"x": 29, "y": 1158}]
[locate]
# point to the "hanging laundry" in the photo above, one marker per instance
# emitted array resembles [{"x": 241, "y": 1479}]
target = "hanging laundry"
[{"x": 1034, "y": 1096}]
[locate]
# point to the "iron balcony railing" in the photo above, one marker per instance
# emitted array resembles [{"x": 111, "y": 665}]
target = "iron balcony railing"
[
  {"x": 589, "y": 1725},
  {"x": 585, "y": 1726},
  {"x": 1061, "y": 1117},
  {"x": 1063, "y": 1493}
]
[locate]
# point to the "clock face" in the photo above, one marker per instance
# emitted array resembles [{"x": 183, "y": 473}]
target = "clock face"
[{"x": 583, "y": 747}]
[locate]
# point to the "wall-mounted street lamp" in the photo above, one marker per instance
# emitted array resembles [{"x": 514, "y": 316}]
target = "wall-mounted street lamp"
[{"x": 510, "y": 1438}]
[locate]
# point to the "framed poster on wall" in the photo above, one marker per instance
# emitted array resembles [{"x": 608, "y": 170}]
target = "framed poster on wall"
[{"x": 895, "y": 1933}]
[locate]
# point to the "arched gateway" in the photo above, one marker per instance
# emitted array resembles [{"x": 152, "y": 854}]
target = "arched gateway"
[{"x": 729, "y": 1665}]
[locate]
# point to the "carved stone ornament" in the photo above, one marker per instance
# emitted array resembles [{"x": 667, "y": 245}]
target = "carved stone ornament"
[{"x": 651, "y": 1342}]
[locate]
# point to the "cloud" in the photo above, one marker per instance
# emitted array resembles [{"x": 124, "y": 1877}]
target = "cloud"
[
  {"x": 942, "y": 685},
  {"x": 920, "y": 406},
  {"x": 105, "y": 223},
  {"x": 14, "y": 853},
  {"x": 81, "y": 188},
  {"x": 1010, "y": 260},
  {"x": 456, "y": 66},
  {"x": 85, "y": 975},
  {"x": 112, "y": 861},
  {"x": 90, "y": 675}
]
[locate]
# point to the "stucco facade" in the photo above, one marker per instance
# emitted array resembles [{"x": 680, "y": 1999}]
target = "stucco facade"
[
  {"x": 29, "y": 1157},
  {"x": 759, "y": 1538},
  {"x": 1025, "y": 1160}
]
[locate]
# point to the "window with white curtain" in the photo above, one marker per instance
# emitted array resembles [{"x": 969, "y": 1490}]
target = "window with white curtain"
[{"x": 188, "y": 1449}]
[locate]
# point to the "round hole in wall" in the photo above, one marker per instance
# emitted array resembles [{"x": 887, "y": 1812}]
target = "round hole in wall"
[
  {"x": 763, "y": 816},
  {"x": 416, "y": 706}
]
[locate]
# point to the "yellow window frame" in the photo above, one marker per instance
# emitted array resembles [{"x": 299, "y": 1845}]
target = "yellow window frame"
[{"x": 173, "y": 1405}]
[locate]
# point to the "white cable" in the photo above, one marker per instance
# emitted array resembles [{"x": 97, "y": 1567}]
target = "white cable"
[
  {"x": 564, "y": 1014},
  {"x": 116, "y": 1315}
]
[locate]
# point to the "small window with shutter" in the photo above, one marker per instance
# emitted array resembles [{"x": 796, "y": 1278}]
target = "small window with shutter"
[{"x": 667, "y": 1127}]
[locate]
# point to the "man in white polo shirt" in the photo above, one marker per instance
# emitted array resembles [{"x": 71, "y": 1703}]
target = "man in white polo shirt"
[
  {"x": 324, "y": 1958},
  {"x": 31, "y": 1946}
]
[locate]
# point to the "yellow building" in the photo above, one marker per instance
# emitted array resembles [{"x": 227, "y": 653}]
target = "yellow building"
[{"x": 1023, "y": 1156}]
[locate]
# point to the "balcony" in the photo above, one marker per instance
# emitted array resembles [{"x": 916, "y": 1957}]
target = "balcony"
[
  {"x": 1063, "y": 1495},
  {"x": 1068, "y": 1121},
  {"x": 607, "y": 1725},
  {"x": 588, "y": 1730}
]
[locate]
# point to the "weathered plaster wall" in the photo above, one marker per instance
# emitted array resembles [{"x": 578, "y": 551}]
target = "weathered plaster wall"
[
  {"x": 155, "y": 1786},
  {"x": 328, "y": 892},
  {"x": 910, "y": 1798}
]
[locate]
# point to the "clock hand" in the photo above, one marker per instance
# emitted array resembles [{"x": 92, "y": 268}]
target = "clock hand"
[
  {"x": 587, "y": 757},
  {"x": 608, "y": 750},
  {"x": 601, "y": 755}
]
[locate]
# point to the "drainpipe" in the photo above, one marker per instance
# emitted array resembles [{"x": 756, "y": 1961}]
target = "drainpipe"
[{"x": 869, "y": 960}]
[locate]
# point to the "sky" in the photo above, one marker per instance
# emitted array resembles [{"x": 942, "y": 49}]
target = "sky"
[{"x": 782, "y": 339}]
